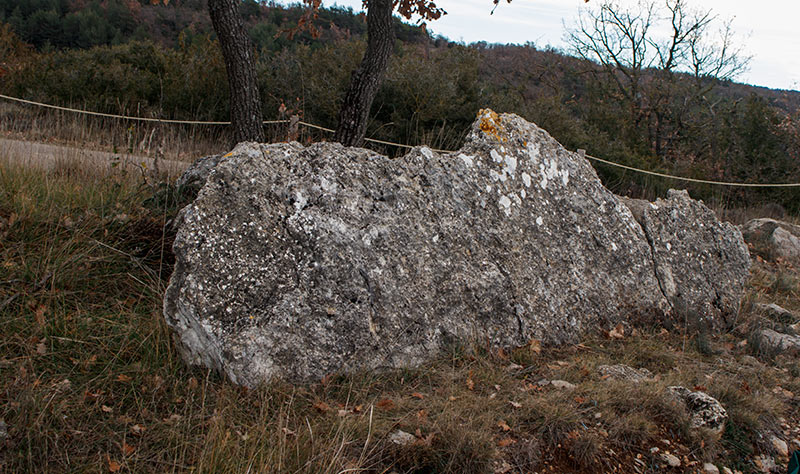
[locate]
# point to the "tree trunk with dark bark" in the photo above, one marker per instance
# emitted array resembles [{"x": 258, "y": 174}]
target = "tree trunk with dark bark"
[
  {"x": 237, "y": 51},
  {"x": 366, "y": 80}
]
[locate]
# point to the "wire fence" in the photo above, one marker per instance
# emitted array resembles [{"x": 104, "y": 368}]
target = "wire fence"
[{"x": 400, "y": 145}]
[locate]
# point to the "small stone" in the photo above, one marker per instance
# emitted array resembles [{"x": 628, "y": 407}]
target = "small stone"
[
  {"x": 766, "y": 464},
  {"x": 776, "y": 342},
  {"x": 3, "y": 431},
  {"x": 624, "y": 372},
  {"x": 775, "y": 312},
  {"x": 654, "y": 450},
  {"x": 705, "y": 410},
  {"x": 562, "y": 384},
  {"x": 780, "y": 447},
  {"x": 750, "y": 360},
  {"x": 726, "y": 470},
  {"x": 402, "y": 438},
  {"x": 796, "y": 443},
  {"x": 671, "y": 460},
  {"x": 709, "y": 468}
]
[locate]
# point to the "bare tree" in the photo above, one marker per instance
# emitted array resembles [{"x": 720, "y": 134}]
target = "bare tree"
[{"x": 645, "y": 70}]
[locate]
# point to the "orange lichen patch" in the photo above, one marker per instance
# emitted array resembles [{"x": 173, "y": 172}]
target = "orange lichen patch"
[{"x": 490, "y": 124}]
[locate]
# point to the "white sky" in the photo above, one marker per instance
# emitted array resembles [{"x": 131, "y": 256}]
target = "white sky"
[{"x": 769, "y": 30}]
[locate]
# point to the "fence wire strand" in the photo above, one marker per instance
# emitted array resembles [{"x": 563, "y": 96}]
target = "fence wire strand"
[{"x": 401, "y": 145}]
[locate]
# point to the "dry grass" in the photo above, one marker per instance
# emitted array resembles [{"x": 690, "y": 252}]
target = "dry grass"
[{"x": 91, "y": 381}]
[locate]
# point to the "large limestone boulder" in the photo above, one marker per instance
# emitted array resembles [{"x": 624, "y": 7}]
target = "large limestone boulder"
[
  {"x": 773, "y": 237},
  {"x": 297, "y": 262}
]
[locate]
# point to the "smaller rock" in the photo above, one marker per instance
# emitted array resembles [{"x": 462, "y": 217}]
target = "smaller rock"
[
  {"x": 750, "y": 360},
  {"x": 709, "y": 468},
  {"x": 402, "y": 438},
  {"x": 796, "y": 443},
  {"x": 705, "y": 410},
  {"x": 562, "y": 384},
  {"x": 776, "y": 313},
  {"x": 776, "y": 342},
  {"x": 3, "y": 431},
  {"x": 780, "y": 446},
  {"x": 766, "y": 464},
  {"x": 671, "y": 460},
  {"x": 777, "y": 238},
  {"x": 726, "y": 470},
  {"x": 624, "y": 372}
]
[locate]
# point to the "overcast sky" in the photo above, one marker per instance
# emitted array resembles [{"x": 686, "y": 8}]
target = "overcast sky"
[{"x": 769, "y": 30}]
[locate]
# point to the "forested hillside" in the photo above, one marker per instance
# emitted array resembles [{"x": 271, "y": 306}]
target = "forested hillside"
[{"x": 163, "y": 61}]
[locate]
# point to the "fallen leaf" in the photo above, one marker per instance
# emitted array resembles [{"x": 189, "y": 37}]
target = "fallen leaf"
[
  {"x": 343, "y": 412},
  {"x": 288, "y": 432},
  {"x": 192, "y": 384},
  {"x": 113, "y": 466},
  {"x": 385, "y": 404},
  {"x": 515, "y": 404},
  {"x": 172, "y": 418},
  {"x": 127, "y": 449},
  {"x": 699, "y": 388},
  {"x": 138, "y": 429},
  {"x": 90, "y": 396},
  {"x": 418, "y": 395},
  {"x": 106, "y": 408},
  {"x": 322, "y": 407},
  {"x": 422, "y": 415},
  {"x": 506, "y": 442},
  {"x": 535, "y": 346},
  {"x": 123, "y": 378},
  {"x": 501, "y": 354},
  {"x": 745, "y": 387},
  {"x": 503, "y": 425},
  {"x": 470, "y": 384},
  {"x": 617, "y": 333},
  {"x": 579, "y": 400},
  {"x": 39, "y": 315},
  {"x": 41, "y": 348},
  {"x": 326, "y": 379}
]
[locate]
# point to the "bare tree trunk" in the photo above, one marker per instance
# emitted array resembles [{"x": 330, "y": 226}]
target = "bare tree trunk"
[
  {"x": 366, "y": 80},
  {"x": 238, "y": 53}
]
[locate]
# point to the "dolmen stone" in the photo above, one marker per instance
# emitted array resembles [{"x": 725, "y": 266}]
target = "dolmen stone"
[
  {"x": 297, "y": 262},
  {"x": 702, "y": 264}
]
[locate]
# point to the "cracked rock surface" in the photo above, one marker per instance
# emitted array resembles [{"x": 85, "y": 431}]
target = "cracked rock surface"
[
  {"x": 702, "y": 264},
  {"x": 296, "y": 262}
]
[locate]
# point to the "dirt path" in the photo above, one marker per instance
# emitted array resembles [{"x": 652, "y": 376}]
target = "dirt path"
[{"x": 51, "y": 157}]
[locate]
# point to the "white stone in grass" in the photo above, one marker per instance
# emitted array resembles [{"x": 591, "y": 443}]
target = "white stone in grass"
[
  {"x": 709, "y": 468},
  {"x": 671, "y": 460},
  {"x": 562, "y": 384},
  {"x": 779, "y": 446},
  {"x": 402, "y": 438}
]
